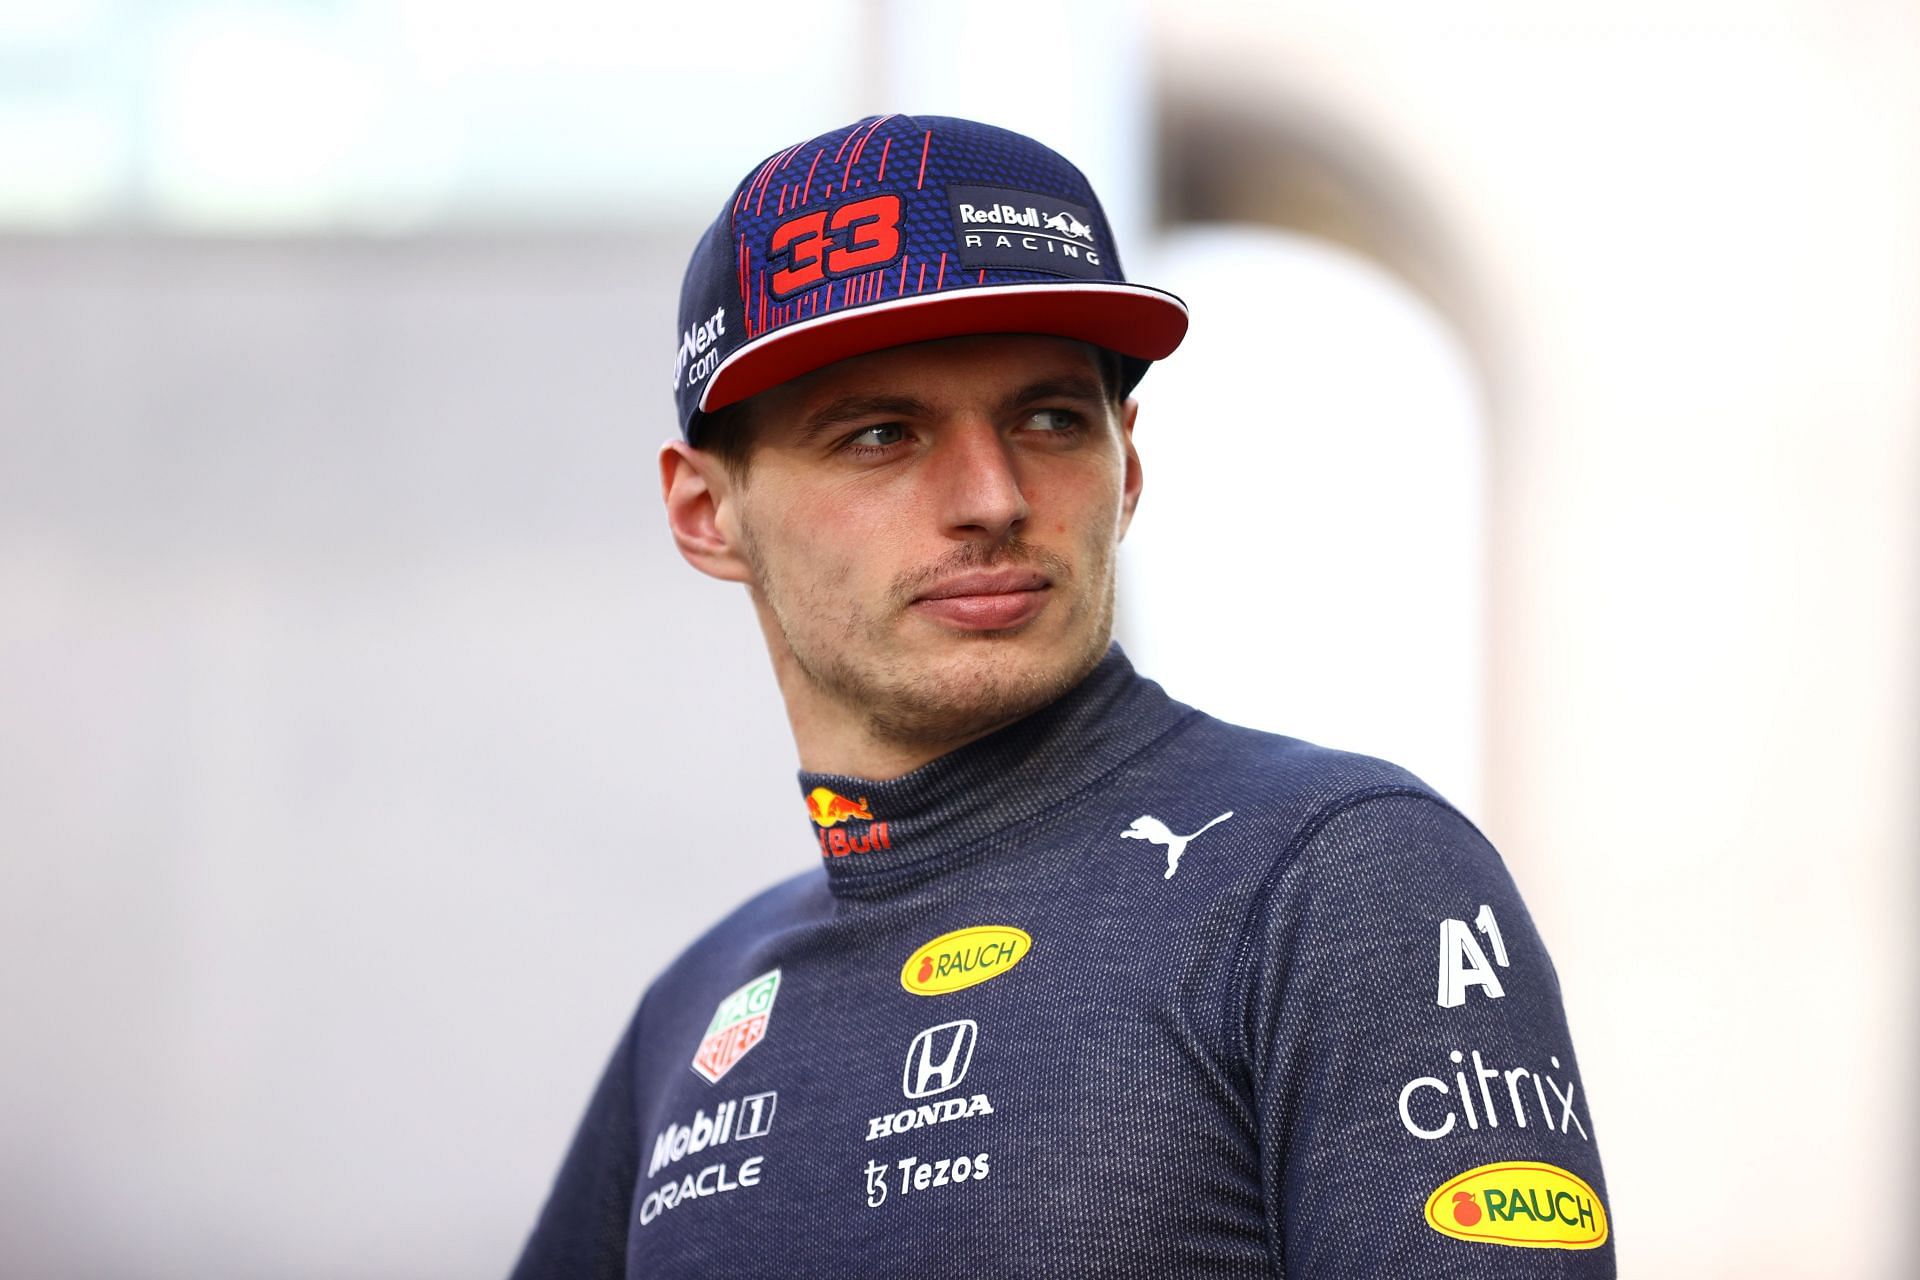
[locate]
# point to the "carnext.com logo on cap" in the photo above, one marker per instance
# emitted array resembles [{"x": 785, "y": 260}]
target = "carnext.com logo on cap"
[
  {"x": 697, "y": 348},
  {"x": 1004, "y": 227}
]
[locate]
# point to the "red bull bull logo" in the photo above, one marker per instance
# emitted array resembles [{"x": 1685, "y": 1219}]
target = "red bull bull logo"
[
  {"x": 1068, "y": 225},
  {"x": 829, "y": 810}
]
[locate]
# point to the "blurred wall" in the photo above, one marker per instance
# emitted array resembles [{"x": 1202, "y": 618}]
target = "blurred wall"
[
  {"x": 1682, "y": 240},
  {"x": 1308, "y": 557},
  {"x": 366, "y": 746}
]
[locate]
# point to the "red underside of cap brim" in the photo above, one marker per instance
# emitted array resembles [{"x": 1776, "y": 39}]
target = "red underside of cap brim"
[{"x": 1130, "y": 319}]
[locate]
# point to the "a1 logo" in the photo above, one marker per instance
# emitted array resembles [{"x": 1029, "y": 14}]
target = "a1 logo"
[
  {"x": 1463, "y": 964},
  {"x": 857, "y": 236}
]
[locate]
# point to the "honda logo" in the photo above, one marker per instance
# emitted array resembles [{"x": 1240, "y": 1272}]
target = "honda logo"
[{"x": 938, "y": 1058}]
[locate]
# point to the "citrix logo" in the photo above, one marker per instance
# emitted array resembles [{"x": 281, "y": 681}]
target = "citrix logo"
[
  {"x": 1432, "y": 1122},
  {"x": 694, "y": 346}
]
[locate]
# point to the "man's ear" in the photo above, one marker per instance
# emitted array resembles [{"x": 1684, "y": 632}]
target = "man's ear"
[
  {"x": 698, "y": 493},
  {"x": 1130, "y": 488}
]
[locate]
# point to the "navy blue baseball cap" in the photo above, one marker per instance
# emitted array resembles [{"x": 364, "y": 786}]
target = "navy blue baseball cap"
[{"x": 902, "y": 229}]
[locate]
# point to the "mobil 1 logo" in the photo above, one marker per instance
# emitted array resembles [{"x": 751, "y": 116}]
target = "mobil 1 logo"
[
  {"x": 1006, "y": 227},
  {"x": 736, "y": 1121}
]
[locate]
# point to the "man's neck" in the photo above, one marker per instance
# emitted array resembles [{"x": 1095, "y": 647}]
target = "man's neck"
[{"x": 834, "y": 738}]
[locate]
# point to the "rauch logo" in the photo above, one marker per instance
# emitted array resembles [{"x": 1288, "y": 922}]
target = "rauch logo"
[
  {"x": 964, "y": 958},
  {"x": 1519, "y": 1203}
]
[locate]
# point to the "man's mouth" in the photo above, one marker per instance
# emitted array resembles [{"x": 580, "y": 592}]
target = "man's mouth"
[{"x": 986, "y": 600}]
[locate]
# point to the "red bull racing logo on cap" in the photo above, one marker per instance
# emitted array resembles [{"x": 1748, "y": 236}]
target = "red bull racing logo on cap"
[
  {"x": 830, "y": 811},
  {"x": 1025, "y": 230},
  {"x": 739, "y": 1023}
]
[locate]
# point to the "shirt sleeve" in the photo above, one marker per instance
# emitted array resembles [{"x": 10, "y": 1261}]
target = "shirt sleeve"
[
  {"x": 582, "y": 1231},
  {"x": 1419, "y": 1105}
]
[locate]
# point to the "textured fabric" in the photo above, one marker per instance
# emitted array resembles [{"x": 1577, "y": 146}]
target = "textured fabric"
[{"x": 1277, "y": 1006}]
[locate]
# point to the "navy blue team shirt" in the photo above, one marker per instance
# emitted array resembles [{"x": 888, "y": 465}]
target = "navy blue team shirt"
[{"x": 1118, "y": 990}]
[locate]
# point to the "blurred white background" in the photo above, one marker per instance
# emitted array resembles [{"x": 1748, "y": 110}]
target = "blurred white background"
[{"x": 1549, "y": 423}]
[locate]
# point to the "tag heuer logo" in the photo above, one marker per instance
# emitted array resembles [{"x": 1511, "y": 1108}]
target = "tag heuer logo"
[{"x": 738, "y": 1024}]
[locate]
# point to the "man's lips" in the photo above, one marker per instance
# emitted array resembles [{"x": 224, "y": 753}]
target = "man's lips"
[
  {"x": 989, "y": 600},
  {"x": 989, "y": 582}
]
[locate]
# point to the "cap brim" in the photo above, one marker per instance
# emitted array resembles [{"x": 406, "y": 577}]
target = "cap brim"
[{"x": 1131, "y": 319}]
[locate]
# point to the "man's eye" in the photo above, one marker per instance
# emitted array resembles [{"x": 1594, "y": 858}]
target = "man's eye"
[
  {"x": 878, "y": 436},
  {"x": 1054, "y": 419}
]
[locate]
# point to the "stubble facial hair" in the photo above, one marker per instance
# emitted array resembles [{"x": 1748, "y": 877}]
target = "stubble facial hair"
[{"x": 910, "y": 707}]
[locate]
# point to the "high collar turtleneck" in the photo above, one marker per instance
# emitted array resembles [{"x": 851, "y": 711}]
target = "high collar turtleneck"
[{"x": 867, "y": 829}]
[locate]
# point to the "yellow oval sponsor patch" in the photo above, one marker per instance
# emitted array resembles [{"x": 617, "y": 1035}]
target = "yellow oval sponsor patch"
[
  {"x": 964, "y": 958},
  {"x": 1520, "y": 1203}
]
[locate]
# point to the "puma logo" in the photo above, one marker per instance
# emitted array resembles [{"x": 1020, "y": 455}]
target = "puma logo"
[{"x": 1148, "y": 827}]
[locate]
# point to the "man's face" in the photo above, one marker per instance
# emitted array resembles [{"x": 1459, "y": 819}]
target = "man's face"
[{"x": 930, "y": 531}]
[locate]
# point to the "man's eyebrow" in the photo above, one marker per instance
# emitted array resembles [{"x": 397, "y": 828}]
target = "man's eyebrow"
[
  {"x": 854, "y": 407},
  {"x": 1072, "y": 386},
  {"x": 848, "y": 408}
]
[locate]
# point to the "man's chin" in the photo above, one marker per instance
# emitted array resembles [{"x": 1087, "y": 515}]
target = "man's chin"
[{"x": 979, "y": 681}]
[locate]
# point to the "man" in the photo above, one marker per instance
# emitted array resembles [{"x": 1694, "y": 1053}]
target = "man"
[{"x": 1087, "y": 982}]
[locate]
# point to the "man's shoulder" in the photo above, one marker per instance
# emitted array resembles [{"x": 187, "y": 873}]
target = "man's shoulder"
[
  {"x": 1281, "y": 804},
  {"x": 767, "y": 914},
  {"x": 1316, "y": 822},
  {"x": 1288, "y": 779}
]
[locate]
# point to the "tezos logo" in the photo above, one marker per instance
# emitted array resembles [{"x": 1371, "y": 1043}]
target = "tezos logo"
[
  {"x": 829, "y": 810},
  {"x": 739, "y": 1023},
  {"x": 918, "y": 1175},
  {"x": 964, "y": 958},
  {"x": 1519, "y": 1203},
  {"x": 697, "y": 349}
]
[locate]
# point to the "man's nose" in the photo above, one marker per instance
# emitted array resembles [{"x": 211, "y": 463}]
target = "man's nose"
[{"x": 981, "y": 494}]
